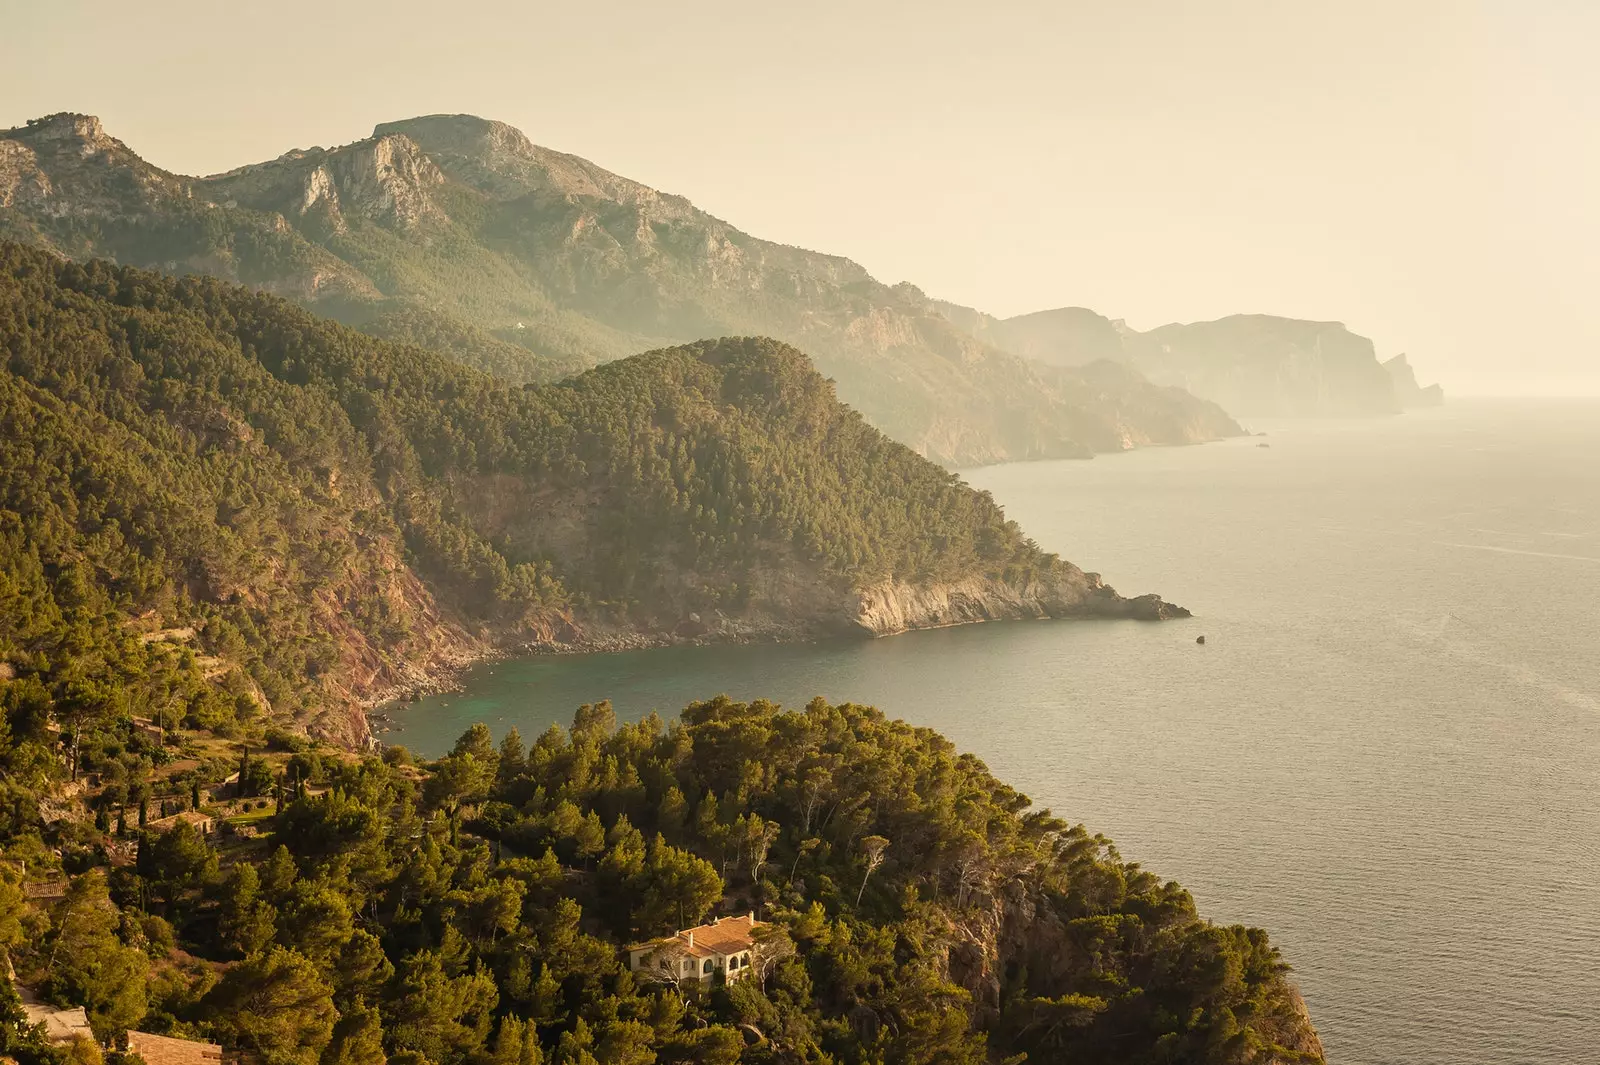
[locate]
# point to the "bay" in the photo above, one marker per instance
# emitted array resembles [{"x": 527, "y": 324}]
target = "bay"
[{"x": 1387, "y": 752}]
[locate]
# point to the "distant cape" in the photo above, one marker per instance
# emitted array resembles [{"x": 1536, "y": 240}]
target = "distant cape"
[{"x": 1253, "y": 365}]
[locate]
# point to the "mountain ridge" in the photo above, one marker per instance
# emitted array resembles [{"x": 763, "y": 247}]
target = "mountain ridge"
[{"x": 465, "y": 218}]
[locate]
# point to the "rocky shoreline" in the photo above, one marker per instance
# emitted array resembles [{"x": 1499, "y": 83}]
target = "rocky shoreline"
[{"x": 887, "y": 609}]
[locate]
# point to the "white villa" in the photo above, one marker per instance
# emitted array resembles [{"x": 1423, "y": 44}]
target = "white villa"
[{"x": 700, "y": 953}]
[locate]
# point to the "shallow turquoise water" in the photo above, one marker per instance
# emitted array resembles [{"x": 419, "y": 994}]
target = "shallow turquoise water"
[{"x": 1387, "y": 753}]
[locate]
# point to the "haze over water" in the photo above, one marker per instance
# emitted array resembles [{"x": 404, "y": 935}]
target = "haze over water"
[{"x": 1387, "y": 753}]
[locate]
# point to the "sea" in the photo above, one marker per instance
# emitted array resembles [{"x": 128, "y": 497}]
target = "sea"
[{"x": 1386, "y": 752}]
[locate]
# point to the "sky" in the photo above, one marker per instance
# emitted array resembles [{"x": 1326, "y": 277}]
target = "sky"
[{"x": 1425, "y": 172}]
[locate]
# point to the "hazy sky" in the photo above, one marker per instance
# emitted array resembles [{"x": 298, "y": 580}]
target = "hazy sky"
[{"x": 1425, "y": 172}]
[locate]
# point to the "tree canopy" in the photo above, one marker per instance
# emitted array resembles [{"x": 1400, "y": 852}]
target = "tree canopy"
[{"x": 916, "y": 911}]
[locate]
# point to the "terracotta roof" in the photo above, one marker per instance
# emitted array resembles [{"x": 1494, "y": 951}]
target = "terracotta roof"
[
  {"x": 726, "y": 935},
  {"x": 675, "y": 943},
  {"x": 45, "y": 889},
  {"x": 165, "y": 1050}
]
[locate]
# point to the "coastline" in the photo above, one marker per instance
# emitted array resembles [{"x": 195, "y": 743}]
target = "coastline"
[{"x": 1102, "y": 605}]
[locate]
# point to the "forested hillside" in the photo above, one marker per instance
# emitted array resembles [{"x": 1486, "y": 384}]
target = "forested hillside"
[
  {"x": 327, "y": 911},
  {"x": 214, "y": 504},
  {"x": 461, "y": 234}
]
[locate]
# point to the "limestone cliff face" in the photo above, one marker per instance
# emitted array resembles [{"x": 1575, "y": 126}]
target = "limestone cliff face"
[
  {"x": 66, "y": 166},
  {"x": 22, "y": 182},
  {"x": 893, "y": 607},
  {"x": 385, "y": 179},
  {"x": 786, "y": 598}
]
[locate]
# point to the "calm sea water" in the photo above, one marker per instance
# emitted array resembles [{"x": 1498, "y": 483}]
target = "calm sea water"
[{"x": 1387, "y": 753}]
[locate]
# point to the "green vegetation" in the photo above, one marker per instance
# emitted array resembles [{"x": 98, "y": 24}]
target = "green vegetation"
[
  {"x": 216, "y": 508},
  {"x": 917, "y": 911},
  {"x": 507, "y": 359},
  {"x": 224, "y": 521}
]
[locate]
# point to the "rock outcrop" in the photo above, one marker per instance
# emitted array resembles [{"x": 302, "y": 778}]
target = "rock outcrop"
[
  {"x": 385, "y": 179},
  {"x": 65, "y": 167},
  {"x": 1406, "y": 390},
  {"x": 894, "y": 606}
]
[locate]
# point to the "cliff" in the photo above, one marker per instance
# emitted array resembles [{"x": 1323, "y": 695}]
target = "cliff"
[
  {"x": 1252, "y": 365},
  {"x": 563, "y": 265},
  {"x": 1263, "y": 365},
  {"x": 896, "y": 606}
]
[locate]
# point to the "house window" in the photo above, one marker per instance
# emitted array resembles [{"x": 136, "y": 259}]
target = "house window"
[
  {"x": 688, "y": 966},
  {"x": 707, "y": 968}
]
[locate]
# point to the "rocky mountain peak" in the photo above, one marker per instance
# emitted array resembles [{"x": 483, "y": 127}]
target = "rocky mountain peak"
[
  {"x": 386, "y": 178},
  {"x": 66, "y": 128},
  {"x": 390, "y": 178},
  {"x": 499, "y": 159},
  {"x": 462, "y": 135},
  {"x": 67, "y": 165}
]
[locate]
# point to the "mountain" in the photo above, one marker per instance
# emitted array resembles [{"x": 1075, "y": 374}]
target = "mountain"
[
  {"x": 1263, "y": 365},
  {"x": 1065, "y": 336},
  {"x": 312, "y": 516},
  {"x": 1406, "y": 390},
  {"x": 1253, "y": 365},
  {"x": 531, "y": 264}
]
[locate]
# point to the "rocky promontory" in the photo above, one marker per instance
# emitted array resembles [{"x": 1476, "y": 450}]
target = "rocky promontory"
[
  {"x": 897, "y": 606},
  {"x": 358, "y": 517},
  {"x": 1253, "y": 365}
]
